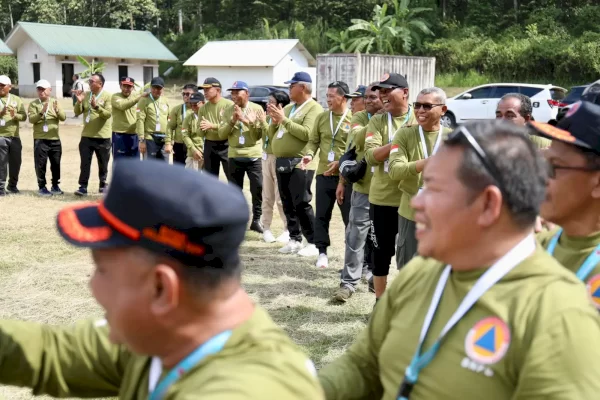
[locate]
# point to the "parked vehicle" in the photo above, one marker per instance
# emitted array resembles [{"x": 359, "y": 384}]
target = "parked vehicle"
[
  {"x": 260, "y": 94},
  {"x": 479, "y": 103},
  {"x": 573, "y": 96}
]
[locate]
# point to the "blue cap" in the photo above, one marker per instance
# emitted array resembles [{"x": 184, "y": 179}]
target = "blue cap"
[
  {"x": 239, "y": 85},
  {"x": 204, "y": 227},
  {"x": 359, "y": 92},
  {"x": 300, "y": 77}
]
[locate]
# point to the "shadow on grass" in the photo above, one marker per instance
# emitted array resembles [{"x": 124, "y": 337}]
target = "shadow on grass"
[{"x": 66, "y": 197}]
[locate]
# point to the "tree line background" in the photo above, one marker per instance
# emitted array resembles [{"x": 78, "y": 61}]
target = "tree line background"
[{"x": 474, "y": 41}]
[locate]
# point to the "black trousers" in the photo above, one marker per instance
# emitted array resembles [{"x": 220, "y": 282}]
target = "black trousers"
[
  {"x": 179, "y": 153},
  {"x": 238, "y": 168},
  {"x": 384, "y": 228},
  {"x": 125, "y": 145},
  {"x": 87, "y": 148},
  {"x": 326, "y": 186},
  {"x": 156, "y": 148},
  {"x": 43, "y": 150},
  {"x": 10, "y": 162},
  {"x": 345, "y": 207},
  {"x": 296, "y": 194},
  {"x": 215, "y": 154}
]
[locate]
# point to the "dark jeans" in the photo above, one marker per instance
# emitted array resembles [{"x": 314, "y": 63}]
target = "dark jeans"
[
  {"x": 87, "y": 148},
  {"x": 215, "y": 154},
  {"x": 179, "y": 153},
  {"x": 326, "y": 186},
  {"x": 345, "y": 207},
  {"x": 295, "y": 192},
  {"x": 384, "y": 228},
  {"x": 156, "y": 149},
  {"x": 10, "y": 162},
  {"x": 42, "y": 151},
  {"x": 238, "y": 168},
  {"x": 407, "y": 245},
  {"x": 125, "y": 145}
]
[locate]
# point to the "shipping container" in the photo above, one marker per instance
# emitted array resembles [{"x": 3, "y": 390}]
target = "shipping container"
[{"x": 362, "y": 69}]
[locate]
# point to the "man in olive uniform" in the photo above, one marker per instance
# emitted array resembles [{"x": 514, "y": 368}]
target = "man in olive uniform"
[
  {"x": 290, "y": 129},
  {"x": 358, "y": 253},
  {"x": 484, "y": 312},
  {"x": 329, "y": 136},
  {"x": 96, "y": 107},
  {"x": 216, "y": 151},
  {"x": 573, "y": 193},
  {"x": 152, "y": 122},
  {"x": 193, "y": 136},
  {"x": 384, "y": 194},
  {"x": 411, "y": 149},
  {"x": 124, "y": 137},
  {"x": 516, "y": 108},
  {"x": 241, "y": 127},
  {"x": 178, "y": 115},
  {"x": 12, "y": 112},
  {"x": 357, "y": 99},
  {"x": 178, "y": 323},
  {"x": 45, "y": 115}
]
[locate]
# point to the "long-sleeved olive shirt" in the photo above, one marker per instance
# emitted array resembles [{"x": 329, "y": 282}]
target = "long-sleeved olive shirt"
[
  {"x": 9, "y": 126},
  {"x": 124, "y": 112},
  {"x": 45, "y": 125},
  {"x": 97, "y": 123}
]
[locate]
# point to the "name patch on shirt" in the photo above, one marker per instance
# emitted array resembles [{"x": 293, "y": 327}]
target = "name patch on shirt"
[{"x": 593, "y": 287}]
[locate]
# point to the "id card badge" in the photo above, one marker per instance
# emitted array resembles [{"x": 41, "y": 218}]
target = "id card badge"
[
  {"x": 420, "y": 190},
  {"x": 157, "y": 127},
  {"x": 45, "y": 128},
  {"x": 87, "y": 119},
  {"x": 264, "y": 156},
  {"x": 386, "y": 165},
  {"x": 331, "y": 156},
  {"x": 373, "y": 170},
  {"x": 2, "y": 122},
  {"x": 280, "y": 134},
  {"x": 242, "y": 140}
]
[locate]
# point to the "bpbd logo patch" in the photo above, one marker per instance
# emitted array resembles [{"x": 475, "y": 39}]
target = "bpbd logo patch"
[{"x": 488, "y": 340}]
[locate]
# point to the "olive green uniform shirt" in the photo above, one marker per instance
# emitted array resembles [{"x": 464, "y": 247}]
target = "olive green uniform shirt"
[
  {"x": 356, "y": 138},
  {"x": 540, "y": 142},
  {"x": 244, "y": 139},
  {"x": 193, "y": 137},
  {"x": 265, "y": 128},
  {"x": 10, "y": 126},
  {"x": 213, "y": 113},
  {"x": 51, "y": 119},
  {"x": 322, "y": 138},
  {"x": 258, "y": 362},
  {"x": 406, "y": 151},
  {"x": 178, "y": 114},
  {"x": 383, "y": 191},
  {"x": 96, "y": 123},
  {"x": 544, "y": 338},
  {"x": 124, "y": 112},
  {"x": 147, "y": 117},
  {"x": 291, "y": 136}
]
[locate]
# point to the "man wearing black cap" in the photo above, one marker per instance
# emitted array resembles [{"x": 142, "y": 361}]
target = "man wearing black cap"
[
  {"x": 357, "y": 99},
  {"x": 329, "y": 135},
  {"x": 193, "y": 137},
  {"x": 124, "y": 138},
  {"x": 573, "y": 193},
  {"x": 215, "y": 150},
  {"x": 290, "y": 129},
  {"x": 178, "y": 323},
  {"x": 384, "y": 194},
  {"x": 152, "y": 122},
  {"x": 178, "y": 114}
]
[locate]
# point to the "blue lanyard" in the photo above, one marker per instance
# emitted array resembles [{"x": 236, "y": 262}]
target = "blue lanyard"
[
  {"x": 588, "y": 265},
  {"x": 496, "y": 272},
  {"x": 369, "y": 116},
  {"x": 183, "y": 111},
  {"x": 214, "y": 345}
]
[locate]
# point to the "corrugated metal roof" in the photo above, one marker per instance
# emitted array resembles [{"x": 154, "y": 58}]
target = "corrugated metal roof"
[
  {"x": 87, "y": 41},
  {"x": 246, "y": 53},
  {"x": 4, "y": 49}
]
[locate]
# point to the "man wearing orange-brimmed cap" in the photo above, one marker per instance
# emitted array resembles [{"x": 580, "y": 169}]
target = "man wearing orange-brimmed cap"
[{"x": 124, "y": 138}]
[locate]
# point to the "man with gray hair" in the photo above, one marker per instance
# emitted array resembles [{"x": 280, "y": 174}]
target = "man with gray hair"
[
  {"x": 516, "y": 108},
  {"x": 411, "y": 148}
]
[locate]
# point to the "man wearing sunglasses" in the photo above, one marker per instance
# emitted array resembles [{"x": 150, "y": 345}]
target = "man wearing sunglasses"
[
  {"x": 573, "y": 193},
  {"x": 483, "y": 311},
  {"x": 516, "y": 108},
  {"x": 411, "y": 149},
  {"x": 178, "y": 114},
  {"x": 124, "y": 138}
]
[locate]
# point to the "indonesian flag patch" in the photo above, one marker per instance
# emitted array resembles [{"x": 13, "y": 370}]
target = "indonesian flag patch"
[
  {"x": 394, "y": 149},
  {"x": 369, "y": 136}
]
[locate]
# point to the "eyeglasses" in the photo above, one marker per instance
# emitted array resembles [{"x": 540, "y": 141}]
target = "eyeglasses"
[
  {"x": 553, "y": 167},
  {"x": 481, "y": 154},
  {"x": 184, "y": 94},
  {"x": 426, "y": 106}
]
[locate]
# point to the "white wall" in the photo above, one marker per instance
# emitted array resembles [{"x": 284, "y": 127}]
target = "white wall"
[
  {"x": 293, "y": 62},
  {"x": 228, "y": 75},
  {"x": 26, "y": 56}
]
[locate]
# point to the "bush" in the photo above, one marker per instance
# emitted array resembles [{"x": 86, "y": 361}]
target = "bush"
[{"x": 8, "y": 66}]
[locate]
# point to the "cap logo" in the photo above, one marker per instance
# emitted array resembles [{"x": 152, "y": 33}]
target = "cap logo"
[
  {"x": 385, "y": 77},
  {"x": 173, "y": 238},
  {"x": 235, "y": 84},
  {"x": 573, "y": 109}
]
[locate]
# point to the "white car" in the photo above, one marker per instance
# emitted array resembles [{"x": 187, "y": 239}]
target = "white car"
[{"x": 479, "y": 103}]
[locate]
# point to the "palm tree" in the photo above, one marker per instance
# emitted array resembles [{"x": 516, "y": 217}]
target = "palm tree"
[
  {"x": 410, "y": 28},
  {"x": 342, "y": 41},
  {"x": 90, "y": 68},
  {"x": 377, "y": 35}
]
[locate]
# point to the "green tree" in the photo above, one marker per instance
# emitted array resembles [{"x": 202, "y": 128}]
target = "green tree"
[
  {"x": 376, "y": 35},
  {"x": 91, "y": 68}
]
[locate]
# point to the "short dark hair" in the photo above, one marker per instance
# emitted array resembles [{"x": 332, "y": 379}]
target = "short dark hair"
[
  {"x": 522, "y": 169},
  {"x": 101, "y": 77},
  {"x": 341, "y": 87},
  {"x": 191, "y": 86},
  {"x": 281, "y": 97},
  {"x": 76, "y": 76},
  {"x": 526, "y": 108}
]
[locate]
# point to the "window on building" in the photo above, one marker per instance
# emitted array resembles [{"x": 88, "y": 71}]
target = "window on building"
[{"x": 123, "y": 71}]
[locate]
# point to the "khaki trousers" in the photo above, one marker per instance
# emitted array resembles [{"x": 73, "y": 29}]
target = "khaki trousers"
[
  {"x": 190, "y": 163},
  {"x": 270, "y": 193}
]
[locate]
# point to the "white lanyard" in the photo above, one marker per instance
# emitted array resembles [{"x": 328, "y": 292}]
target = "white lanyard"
[
  {"x": 437, "y": 142},
  {"x": 90, "y": 102},
  {"x": 333, "y": 133},
  {"x": 156, "y": 108},
  {"x": 297, "y": 110},
  {"x": 390, "y": 126},
  {"x": 7, "y": 102},
  {"x": 47, "y": 109}
]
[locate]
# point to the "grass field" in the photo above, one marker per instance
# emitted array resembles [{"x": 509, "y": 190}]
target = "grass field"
[{"x": 43, "y": 279}]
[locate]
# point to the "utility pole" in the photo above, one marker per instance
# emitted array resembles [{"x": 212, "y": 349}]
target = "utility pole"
[{"x": 180, "y": 14}]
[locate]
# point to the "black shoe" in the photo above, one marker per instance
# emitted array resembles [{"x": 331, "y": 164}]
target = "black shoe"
[
  {"x": 3, "y": 193},
  {"x": 256, "y": 226},
  {"x": 13, "y": 190},
  {"x": 102, "y": 189},
  {"x": 81, "y": 192},
  {"x": 55, "y": 189},
  {"x": 44, "y": 192}
]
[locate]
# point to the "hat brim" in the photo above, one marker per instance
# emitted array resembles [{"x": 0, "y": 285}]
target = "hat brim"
[
  {"x": 554, "y": 133},
  {"x": 42, "y": 87},
  {"x": 129, "y": 83},
  {"x": 83, "y": 226},
  {"x": 354, "y": 95},
  {"x": 386, "y": 86},
  {"x": 290, "y": 82},
  {"x": 230, "y": 89},
  {"x": 209, "y": 85},
  {"x": 196, "y": 101}
]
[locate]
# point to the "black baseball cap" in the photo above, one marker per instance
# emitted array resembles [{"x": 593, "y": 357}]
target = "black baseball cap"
[
  {"x": 391, "y": 81},
  {"x": 157, "y": 81},
  {"x": 210, "y": 82},
  {"x": 580, "y": 127},
  {"x": 341, "y": 85},
  {"x": 196, "y": 97},
  {"x": 192, "y": 217},
  {"x": 359, "y": 92}
]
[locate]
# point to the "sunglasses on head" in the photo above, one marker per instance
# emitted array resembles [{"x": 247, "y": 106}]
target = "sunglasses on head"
[{"x": 425, "y": 106}]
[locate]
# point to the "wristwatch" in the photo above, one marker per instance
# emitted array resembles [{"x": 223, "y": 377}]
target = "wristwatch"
[{"x": 142, "y": 140}]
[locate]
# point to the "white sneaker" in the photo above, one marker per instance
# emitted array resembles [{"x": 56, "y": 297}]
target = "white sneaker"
[
  {"x": 284, "y": 237},
  {"x": 291, "y": 247},
  {"x": 268, "y": 236},
  {"x": 322, "y": 261},
  {"x": 309, "y": 251}
]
